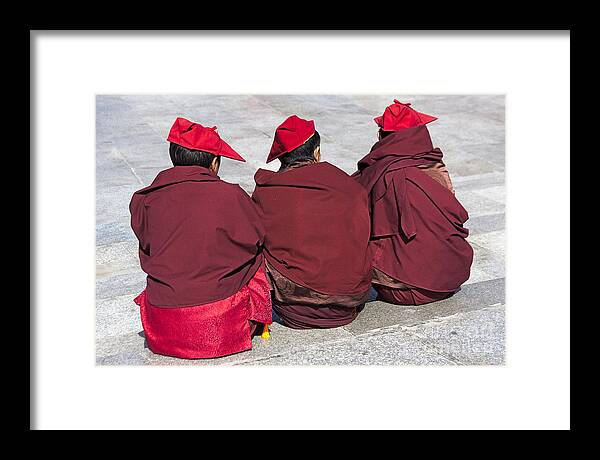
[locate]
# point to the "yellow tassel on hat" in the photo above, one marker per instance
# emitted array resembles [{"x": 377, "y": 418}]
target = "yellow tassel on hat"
[{"x": 265, "y": 333}]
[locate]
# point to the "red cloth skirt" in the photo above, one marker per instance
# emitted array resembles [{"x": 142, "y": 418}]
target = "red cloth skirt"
[{"x": 211, "y": 330}]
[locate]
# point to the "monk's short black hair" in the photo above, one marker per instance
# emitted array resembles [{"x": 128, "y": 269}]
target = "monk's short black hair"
[
  {"x": 182, "y": 156},
  {"x": 305, "y": 152},
  {"x": 384, "y": 133}
]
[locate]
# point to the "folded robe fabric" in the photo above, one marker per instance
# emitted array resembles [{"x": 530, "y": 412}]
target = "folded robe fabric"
[
  {"x": 417, "y": 233},
  {"x": 204, "y": 241},
  {"x": 317, "y": 227}
]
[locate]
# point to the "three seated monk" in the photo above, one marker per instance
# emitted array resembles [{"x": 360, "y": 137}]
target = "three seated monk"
[
  {"x": 418, "y": 241},
  {"x": 307, "y": 244},
  {"x": 317, "y": 228},
  {"x": 200, "y": 243}
]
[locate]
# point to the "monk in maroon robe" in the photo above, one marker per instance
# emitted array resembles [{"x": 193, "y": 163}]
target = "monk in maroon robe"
[
  {"x": 418, "y": 242},
  {"x": 200, "y": 243},
  {"x": 317, "y": 232}
]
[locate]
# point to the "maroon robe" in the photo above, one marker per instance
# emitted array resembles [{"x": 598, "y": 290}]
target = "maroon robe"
[
  {"x": 200, "y": 243},
  {"x": 417, "y": 233},
  {"x": 200, "y": 237},
  {"x": 317, "y": 233}
]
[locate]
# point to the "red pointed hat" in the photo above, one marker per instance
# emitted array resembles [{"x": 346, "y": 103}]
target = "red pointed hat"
[
  {"x": 196, "y": 137},
  {"x": 401, "y": 116},
  {"x": 290, "y": 134}
]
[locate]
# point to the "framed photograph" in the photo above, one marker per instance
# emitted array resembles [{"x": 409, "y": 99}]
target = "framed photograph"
[{"x": 363, "y": 222}]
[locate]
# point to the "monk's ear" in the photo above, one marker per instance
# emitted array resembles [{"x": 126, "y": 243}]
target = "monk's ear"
[
  {"x": 317, "y": 154},
  {"x": 216, "y": 163}
]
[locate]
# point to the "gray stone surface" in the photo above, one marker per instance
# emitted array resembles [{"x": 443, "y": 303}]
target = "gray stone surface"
[
  {"x": 467, "y": 329},
  {"x": 472, "y": 296},
  {"x": 486, "y": 223},
  {"x": 116, "y": 316},
  {"x": 473, "y": 337},
  {"x": 387, "y": 347}
]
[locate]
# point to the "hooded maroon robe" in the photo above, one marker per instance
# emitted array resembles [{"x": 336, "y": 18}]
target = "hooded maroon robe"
[
  {"x": 417, "y": 233},
  {"x": 200, "y": 244},
  {"x": 317, "y": 231}
]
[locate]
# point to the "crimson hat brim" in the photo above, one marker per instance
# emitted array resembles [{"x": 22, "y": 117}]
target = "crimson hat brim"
[{"x": 228, "y": 152}]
